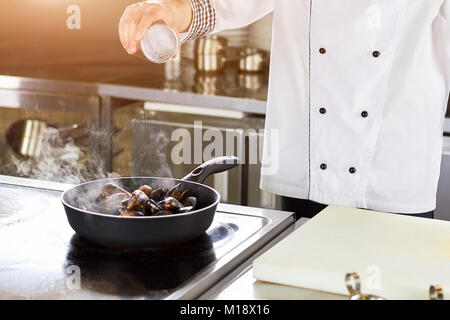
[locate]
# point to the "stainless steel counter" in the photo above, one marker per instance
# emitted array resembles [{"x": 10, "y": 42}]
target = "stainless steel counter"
[
  {"x": 97, "y": 89},
  {"x": 137, "y": 79},
  {"x": 44, "y": 259}
]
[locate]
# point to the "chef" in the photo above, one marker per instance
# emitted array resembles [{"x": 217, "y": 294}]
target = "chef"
[{"x": 357, "y": 94}]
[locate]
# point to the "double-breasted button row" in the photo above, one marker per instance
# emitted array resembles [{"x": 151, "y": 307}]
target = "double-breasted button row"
[
  {"x": 364, "y": 114},
  {"x": 375, "y": 53},
  {"x": 323, "y": 110},
  {"x": 324, "y": 166}
]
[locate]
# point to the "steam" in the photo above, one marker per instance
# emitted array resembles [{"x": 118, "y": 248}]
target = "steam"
[
  {"x": 60, "y": 160},
  {"x": 149, "y": 155}
]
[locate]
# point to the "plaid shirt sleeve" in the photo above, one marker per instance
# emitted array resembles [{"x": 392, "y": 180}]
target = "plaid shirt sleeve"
[{"x": 203, "y": 19}]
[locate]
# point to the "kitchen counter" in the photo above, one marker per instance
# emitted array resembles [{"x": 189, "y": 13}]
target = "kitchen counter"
[
  {"x": 245, "y": 287},
  {"x": 45, "y": 259}
]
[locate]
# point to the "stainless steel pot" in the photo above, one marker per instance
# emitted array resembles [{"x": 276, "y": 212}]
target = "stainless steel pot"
[
  {"x": 210, "y": 53},
  {"x": 209, "y": 83},
  {"x": 25, "y": 136},
  {"x": 253, "y": 60},
  {"x": 251, "y": 80}
]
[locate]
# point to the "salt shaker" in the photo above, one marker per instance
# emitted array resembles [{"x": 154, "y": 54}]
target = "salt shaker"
[{"x": 160, "y": 43}]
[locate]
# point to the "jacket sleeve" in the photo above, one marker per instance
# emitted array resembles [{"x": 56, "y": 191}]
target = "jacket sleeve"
[{"x": 217, "y": 15}]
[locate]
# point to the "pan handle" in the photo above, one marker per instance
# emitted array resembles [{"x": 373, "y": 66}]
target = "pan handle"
[{"x": 210, "y": 167}]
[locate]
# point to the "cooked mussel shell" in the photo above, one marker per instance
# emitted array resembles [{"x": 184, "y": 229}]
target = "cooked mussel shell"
[
  {"x": 170, "y": 204},
  {"x": 137, "y": 201},
  {"x": 143, "y": 201},
  {"x": 190, "y": 202},
  {"x": 125, "y": 202},
  {"x": 146, "y": 189},
  {"x": 151, "y": 207},
  {"x": 158, "y": 194},
  {"x": 140, "y": 195},
  {"x": 177, "y": 193},
  {"x": 109, "y": 189},
  {"x": 133, "y": 204},
  {"x": 185, "y": 209},
  {"x": 113, "y": 203}
]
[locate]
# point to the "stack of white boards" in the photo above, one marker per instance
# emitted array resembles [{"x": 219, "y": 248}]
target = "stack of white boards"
[{"x": 396, "y": 256}]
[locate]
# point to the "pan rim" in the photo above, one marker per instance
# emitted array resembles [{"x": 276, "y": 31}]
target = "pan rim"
[{"x": 140, "y": 217}]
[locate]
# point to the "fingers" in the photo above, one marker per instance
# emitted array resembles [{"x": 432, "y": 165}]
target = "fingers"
[
  {"x": 122, "y": 33},
  {"x": 130, "y": 34},
  {"x": 124, "y": 26},
  {"x": 145, "y": 23},
  {"x": 127, "y": 28},
  {"x": 135, "y": 22}
]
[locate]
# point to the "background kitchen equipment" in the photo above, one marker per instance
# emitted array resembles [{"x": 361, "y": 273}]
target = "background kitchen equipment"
[
  {"x": 58, "y": 103},
  {"x": 257, "y": 35},
  {"x": 155, "y": 156},
  {"x": 253, "y": 60},
  {"x": 212, "y": 53},
  {"x": 252, "y": 81},
  {"x": 144, "y": 156},
  {"x": 147, "y": 230},
  {"x": 25, "y": 136},
  {"x": 209, "y": 53},
  {"x": 210, "y": 83}
]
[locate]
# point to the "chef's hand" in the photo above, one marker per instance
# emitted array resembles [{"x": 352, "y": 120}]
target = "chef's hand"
[{"x": 138, "y": 17}]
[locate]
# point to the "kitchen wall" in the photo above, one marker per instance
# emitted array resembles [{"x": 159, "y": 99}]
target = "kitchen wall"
[
  {"x": 47, "y": 18},
  {"x": 35, "y": 31}
]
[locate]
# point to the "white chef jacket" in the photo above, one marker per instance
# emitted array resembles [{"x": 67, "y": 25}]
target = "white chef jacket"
[{"x": 357, "y": 95}]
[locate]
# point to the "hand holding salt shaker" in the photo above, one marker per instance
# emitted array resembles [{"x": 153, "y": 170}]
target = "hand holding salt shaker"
[{"x": 160, "y": 43}]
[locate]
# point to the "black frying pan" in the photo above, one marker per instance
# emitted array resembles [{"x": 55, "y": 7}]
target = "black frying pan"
[{"x": 149, "y": 230}]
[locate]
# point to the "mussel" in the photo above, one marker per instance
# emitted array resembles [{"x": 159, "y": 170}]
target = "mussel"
[
  {"x": 137, "y": 201},
  {"x": 158, "y": 194},
  {"x": 145, "y": 201},
  {"x": 151, "y": 207},
  {"x": 109, "y": 189},
  {"x": 170, "y": 204},
  {"x": 185, "y": 209},
  {"x": 113, "y": 203},
  {"x": 176, "y": 193},
  {"x": 190, "y": 202},
  {"x": 146, "y": 189}
]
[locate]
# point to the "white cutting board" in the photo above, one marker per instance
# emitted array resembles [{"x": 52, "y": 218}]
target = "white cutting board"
[{"x": 397, "y": 257}]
